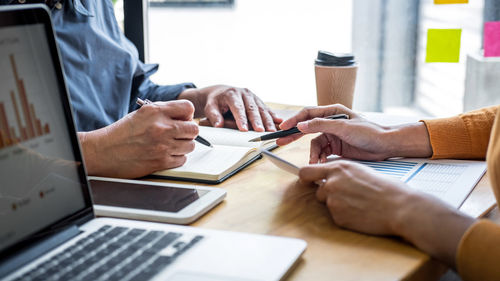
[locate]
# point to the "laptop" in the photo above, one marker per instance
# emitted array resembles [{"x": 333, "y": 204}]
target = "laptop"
[{"x": 48, "y": 227}]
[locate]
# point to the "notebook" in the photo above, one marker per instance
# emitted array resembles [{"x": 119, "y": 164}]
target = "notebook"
[
  {"x": 49, "y": 230},
  {"x": 231, "y": 152}
]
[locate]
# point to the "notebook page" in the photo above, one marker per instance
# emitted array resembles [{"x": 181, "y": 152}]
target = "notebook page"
[{"x": 211, "y": 161}]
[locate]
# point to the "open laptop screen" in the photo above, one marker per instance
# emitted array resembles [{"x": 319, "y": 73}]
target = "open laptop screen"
[{"x": 40, "y": 180}]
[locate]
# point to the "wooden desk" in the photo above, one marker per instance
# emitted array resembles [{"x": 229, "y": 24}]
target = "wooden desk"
[{"x": 265, "y": 200}]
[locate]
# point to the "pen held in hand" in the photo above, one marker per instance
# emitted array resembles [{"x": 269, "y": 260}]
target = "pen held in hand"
[
  {"x": 294, "y": 130},
  {"x": 198, "y": 138}
]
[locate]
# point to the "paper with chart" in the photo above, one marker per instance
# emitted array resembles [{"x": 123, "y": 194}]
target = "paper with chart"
[{"x": 449, "y": 180}]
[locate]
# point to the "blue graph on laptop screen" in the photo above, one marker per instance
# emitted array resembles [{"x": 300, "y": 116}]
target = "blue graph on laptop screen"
[{"x": 38, "y": 173}]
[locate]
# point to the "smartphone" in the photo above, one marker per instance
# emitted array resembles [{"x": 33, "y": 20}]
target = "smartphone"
[{"x": 152, "y": 201}]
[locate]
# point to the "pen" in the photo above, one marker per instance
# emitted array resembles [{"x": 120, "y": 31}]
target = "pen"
[
  {"x": 294, "y": 130},
  {"x": 198, "y": 138}
]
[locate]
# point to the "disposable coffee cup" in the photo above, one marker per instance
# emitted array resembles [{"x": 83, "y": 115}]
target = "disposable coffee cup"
[{"x": 335, "y": 78}]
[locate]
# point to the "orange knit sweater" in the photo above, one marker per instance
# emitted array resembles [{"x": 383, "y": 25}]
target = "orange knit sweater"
[{"x": 473, "y": 135}]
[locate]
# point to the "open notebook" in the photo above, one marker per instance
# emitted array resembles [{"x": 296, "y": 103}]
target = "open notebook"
[{"x": 230, "y": 153}]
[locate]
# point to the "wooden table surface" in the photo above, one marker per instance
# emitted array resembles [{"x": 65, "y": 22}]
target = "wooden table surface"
[{"x": 263, "y": 199}]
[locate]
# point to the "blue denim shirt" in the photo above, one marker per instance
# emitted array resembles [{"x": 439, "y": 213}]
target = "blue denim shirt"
[{"x": 102, "y": 68}]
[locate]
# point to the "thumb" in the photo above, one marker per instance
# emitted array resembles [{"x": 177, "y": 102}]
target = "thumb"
[
  {"x": 312, "y": 173},
  {"x": 212, "y": 112}
]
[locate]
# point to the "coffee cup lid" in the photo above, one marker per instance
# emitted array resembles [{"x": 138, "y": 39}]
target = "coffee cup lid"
[{"x": 334, "y": 59}]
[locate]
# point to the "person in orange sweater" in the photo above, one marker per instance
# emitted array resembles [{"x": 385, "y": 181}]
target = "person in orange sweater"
[{"x": 361, "y": 200}]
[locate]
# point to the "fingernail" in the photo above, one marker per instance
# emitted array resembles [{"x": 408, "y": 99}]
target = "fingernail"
[{"x": 303, "y": 126}]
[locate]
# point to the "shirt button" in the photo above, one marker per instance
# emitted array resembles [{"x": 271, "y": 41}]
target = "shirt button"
[{"x": 58, "y": 5}]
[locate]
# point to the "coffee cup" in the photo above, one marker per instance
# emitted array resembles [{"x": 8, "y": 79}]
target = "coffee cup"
[{"x": 335, "y": 78}]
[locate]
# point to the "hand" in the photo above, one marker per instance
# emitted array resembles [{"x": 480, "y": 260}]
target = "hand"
[
  {"x": 356, "y": 138},
  {"x": 244, "y": 105},
  {"x": 361, "y": 200},
  {"x": 155, "y": 137},
  {"x": 356, "y": 197}
]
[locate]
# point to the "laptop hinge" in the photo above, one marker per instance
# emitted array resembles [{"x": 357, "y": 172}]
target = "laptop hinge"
[{"x": 37, "y": 250}]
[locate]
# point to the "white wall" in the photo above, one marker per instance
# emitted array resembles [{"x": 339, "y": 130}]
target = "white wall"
[{"x": 268, "y": 46}]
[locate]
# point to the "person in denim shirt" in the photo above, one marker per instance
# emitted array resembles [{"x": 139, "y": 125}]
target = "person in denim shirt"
[{"x": 105, "y": 77}]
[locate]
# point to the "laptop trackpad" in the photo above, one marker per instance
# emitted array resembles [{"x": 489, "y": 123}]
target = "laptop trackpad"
[{"x": 189, "y": 276}]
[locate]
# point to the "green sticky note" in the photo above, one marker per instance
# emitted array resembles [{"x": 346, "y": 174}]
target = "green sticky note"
[
  {"x": 451, "y": 1},
  {"x": 443, "y": 45}
]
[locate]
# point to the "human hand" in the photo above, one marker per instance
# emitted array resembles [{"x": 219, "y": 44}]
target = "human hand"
[
  {"x": 248, "y": 110},
  {"x": 155, "y": 137},
  {"x": 356, "y": 197},
  {"x": 360, "y": 200},
  {"x": 357, "y": 137}
]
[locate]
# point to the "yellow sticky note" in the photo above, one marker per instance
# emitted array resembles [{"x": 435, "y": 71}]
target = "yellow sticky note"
[
  {"x": 451, "y": 1},
  {"x": 443, "y": 45}
]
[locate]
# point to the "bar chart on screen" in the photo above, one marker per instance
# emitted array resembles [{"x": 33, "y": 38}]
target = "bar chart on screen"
[
  {"x": 27, "y": 125},
  {"x": 37, "y": 161},
  {"x": 29, "y": 111}
]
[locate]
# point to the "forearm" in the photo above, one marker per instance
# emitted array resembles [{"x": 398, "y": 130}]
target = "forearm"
[
  {"x": 432, "y": 226},
  {"x": 409, "y": 140}
]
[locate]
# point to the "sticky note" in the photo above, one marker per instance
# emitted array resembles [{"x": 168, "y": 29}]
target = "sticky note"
[
  {"x": 443, "y": 45},
  {"x": 451, "y": 1},
  {"x": 492, "y": 39}
]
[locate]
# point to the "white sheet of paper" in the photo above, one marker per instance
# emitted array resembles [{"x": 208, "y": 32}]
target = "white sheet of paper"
[{"x": 280, "y": 162}]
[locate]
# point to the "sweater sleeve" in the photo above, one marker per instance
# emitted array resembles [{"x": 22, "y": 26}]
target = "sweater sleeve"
[
  {"x": 479, "y": 249},
  {"x": 465, "y": 136},
  {"x": 479, "y": 252}
]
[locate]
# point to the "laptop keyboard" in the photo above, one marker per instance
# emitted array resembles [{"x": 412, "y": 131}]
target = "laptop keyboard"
[{"x": 115, "y": 253}]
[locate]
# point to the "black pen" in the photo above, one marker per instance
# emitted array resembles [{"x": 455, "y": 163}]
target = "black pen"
[
  {"x": 198, "y": 138},
  {"x": 294, "y": 130}
]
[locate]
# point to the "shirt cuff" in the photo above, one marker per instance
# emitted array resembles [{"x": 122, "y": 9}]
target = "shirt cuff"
[
  {"x": 170, "y": 92},
  {"x": 478, "y": 252}
]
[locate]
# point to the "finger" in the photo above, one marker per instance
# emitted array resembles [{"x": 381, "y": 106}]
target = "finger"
[
  {"x": 322, "y": 157},
  {"x": 252, "y": 111},
  {"x": 288, "y": 139},
  {"x": 168, "y": 162},
  {"x": 183, "y": 130},
  {"x": 174, "y": 161},
  {"x": 313, "y": 112},
  {"x": 334, "y": 127},
  {"x": 181, "y": 147},
  {"x": 230, "y": 124},
  {"x": 321, "y": 193},
  {"x": 267, "y": 116},
  {"x": 177, "y": 109},
  {"x": 237, "y": 107},
  {"x": 213, "y": 114},
  {"x": 314, "y": 172},
  {"x": 276, "y": 118},
  {"x": 317, "y": 145}
]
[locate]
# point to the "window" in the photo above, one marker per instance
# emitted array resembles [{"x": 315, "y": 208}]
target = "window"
[
  {"x": 440, "y": 86},
  {"x": 266, "y": 46},
  {"x": 270, "y": 46}
]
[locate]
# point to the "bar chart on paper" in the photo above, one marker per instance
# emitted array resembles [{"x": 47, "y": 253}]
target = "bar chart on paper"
[{"x": 449, "y": 180}]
